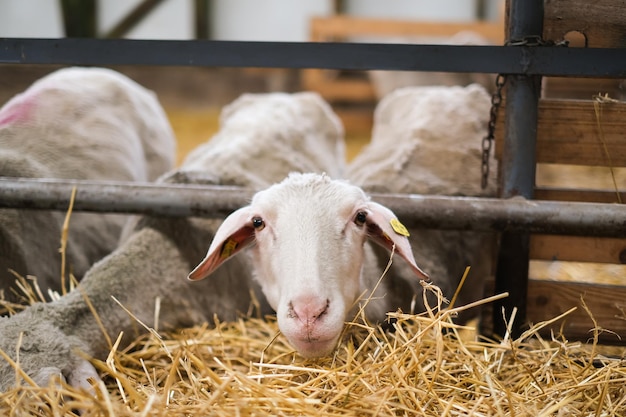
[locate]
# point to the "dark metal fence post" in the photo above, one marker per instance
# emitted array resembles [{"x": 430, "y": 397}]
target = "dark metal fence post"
[
  {"x": 80, "y": 18},
  {"x": 518, "y": 169},
  {"x": 202, "y": 19}
]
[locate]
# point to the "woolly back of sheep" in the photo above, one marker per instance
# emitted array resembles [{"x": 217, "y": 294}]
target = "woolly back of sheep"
[{"x": 427, "y": 140}]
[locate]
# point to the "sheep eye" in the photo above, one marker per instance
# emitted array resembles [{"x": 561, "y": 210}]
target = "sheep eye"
[
  {"x": 360, "y": 218},
  {"x": 258, "y": 223}
]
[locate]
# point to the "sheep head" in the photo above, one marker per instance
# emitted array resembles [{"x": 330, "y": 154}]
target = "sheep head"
[{"x": 307, "y": 237}]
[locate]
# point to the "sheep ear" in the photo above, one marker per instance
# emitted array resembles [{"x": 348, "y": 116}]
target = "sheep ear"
[
  {"x": 235, "y": 233},
  {"x": 384, "y": 228}
]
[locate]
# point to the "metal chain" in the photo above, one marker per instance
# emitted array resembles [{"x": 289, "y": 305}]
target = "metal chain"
[
  {"x": 487, "y": 143},
  {"x": 535, "y": 40},
  {"x": 496, "y": 100}
]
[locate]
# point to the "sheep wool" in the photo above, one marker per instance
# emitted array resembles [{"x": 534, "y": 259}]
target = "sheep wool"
[
  {"x": 255, "y": 144},
  {"x": 75, "y": 123},
  {"x": 426, "y": 140}
]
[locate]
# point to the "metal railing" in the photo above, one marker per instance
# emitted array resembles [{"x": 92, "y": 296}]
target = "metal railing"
[{"x": 428, "y": 211}]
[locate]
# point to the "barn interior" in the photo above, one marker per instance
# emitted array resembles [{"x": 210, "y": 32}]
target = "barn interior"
[{"x": 580, "y": 157}]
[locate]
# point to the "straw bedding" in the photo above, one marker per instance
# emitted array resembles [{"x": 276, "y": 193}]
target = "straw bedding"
[{"x": 425, "y": 365}]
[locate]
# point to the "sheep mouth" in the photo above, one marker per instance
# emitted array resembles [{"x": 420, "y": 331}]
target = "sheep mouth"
[{"x": 314, "y": 347}]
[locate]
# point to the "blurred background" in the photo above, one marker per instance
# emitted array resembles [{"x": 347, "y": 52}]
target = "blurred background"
[
  {"x": 269, "y": 20},
  {"x": 193, "y": 96}
]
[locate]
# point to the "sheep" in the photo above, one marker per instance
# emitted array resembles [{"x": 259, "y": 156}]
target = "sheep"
[
  {"x": 318, "y": 135},
  {"x": 426, "y": 140},
  {"x": 308, "y": 236},
  {"x": 75, "y": 123},
  {"x": 290, "y": 132}
]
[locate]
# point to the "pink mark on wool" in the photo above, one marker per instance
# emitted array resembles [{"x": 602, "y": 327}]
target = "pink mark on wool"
[{"x": 17, "y": 110}]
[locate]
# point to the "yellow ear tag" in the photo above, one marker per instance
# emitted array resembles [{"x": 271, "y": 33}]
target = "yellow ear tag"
[
  {"x": 399, "y": 227},
  {"x": 228, "y": 248}
]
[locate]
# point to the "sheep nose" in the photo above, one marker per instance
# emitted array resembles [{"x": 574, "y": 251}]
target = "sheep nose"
[{"x": 308, "y": 309}]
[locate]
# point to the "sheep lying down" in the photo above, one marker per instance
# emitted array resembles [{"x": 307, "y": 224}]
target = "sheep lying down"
[
  {"x": 308, "y": 236},
  {"x": 75, "y": 123}
]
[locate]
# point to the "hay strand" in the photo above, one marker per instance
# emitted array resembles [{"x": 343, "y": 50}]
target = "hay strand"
[
  {"x": 65, "y": 230},
  {"x": 598, "y": 101},
  {"x": 423, "y": 367}
]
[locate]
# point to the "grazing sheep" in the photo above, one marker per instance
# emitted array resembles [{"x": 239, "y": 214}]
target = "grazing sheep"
[
  {"x": 292, "y": 132},
  {"x": 308, "y": 236},
  {"x": 426, "y": 140},
  {"x": 75, "y": 123}
]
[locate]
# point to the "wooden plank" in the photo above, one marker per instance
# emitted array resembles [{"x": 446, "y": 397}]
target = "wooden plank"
[
  {"x": 549, "y": 299},
  {"x": 579, "y": 249},
  {"x": 591, "y": 196},
  {"x": 338, "y": 89},
  {"x": 567, "y": 133},
  {"x": 607, "y": 303},
  {"x": 344, "y": 28},
  {"x": 579, "y": 88},
  {"x": 601, "y": 21}
]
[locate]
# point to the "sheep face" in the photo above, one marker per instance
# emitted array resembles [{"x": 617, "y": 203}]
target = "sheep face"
[{"x": 307, "y": 236}]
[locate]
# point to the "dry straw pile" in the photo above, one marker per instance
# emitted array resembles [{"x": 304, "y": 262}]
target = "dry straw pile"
[{"x": 425, "y": 367}]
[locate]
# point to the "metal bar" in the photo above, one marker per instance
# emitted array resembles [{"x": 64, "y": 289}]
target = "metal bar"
[
  {"x": 557, "y": 61},
  {"x": 517, "y": 164},
  {"x": 121, "y": 197},
  {"x": 438, "y": 212},
  {"x": 202, "y": 27},
  {"x": 518, "y": 172},
  {"x": 339, "y": 6},
  {"x": 80, "y": 18}
]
